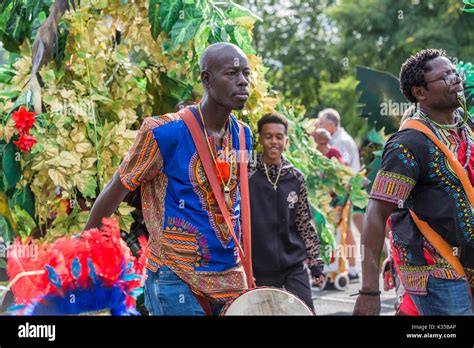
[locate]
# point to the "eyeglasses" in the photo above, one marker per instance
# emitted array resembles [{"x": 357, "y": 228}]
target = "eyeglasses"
[{"x": 452, "y": 78}]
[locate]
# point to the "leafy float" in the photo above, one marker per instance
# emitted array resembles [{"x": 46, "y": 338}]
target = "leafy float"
[{"x": 117, "y": 62}]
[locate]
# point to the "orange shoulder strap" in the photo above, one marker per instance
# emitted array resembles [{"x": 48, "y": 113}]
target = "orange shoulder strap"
[
  {"x": 453, "y": 161},
  {"x": 245, "y": 205},
  {"x": 445, "y": 250},
  {"x": 431, "y": 235},
  {"x": 205, "y": 156}
]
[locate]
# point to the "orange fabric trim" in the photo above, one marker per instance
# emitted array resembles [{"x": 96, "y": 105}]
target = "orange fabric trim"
[
  {"x": 413, "y": 124},
  {"x": 181, "y": 246},
  {"x": 173, "y": 236}
]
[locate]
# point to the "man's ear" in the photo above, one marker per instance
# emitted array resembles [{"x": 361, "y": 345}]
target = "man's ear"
[
  {"x": 287, "y": 142},
  {"x": 206, "y": 78},
  {"x": 418, "y": 92}
]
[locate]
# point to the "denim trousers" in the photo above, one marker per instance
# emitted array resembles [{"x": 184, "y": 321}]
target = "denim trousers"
[
  {"x": 444, "y": 297},
  {"x": 166, "y": 294}
]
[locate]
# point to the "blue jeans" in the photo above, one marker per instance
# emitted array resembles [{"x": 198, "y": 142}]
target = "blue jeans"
[
  {"x": 167, "y": 294},
  {"x": 445, "y": 297}
]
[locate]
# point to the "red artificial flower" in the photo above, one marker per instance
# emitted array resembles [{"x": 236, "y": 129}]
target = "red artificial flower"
[
  {"x": 26, "y": 142},
  {"x": 23, "y": 120},
  {"x": 223, "y": 168}
]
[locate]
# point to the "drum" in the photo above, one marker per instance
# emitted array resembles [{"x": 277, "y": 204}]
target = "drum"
[{"x": 266, "y": 301}]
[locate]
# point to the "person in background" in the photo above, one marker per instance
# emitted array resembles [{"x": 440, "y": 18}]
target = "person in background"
[
  {"x": 331, "y": 120},
  {"x": 322, "y": 137}
]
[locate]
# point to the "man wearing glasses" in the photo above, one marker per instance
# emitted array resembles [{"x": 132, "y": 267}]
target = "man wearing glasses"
[{"x": 417, "y": 181}]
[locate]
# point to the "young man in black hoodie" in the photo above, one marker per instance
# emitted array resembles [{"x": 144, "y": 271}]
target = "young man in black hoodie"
[{"x": 284, "y": 239}]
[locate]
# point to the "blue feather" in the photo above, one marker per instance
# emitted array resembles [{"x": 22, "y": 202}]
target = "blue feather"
[
  {"x": 92, "y": 271},
  {"x": 76, "y": 268},
  {"x": 129, "y": 266},
  {"x": 123, "y": 269},
  {"x": 136, "y": 292},
  {"x": 15, "y": 308},
  {"x": 131, "y": 276},
  {"x": 53, "y": 277}
]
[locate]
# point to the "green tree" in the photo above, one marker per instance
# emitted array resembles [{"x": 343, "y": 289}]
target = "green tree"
[
  {"x": 381, "y": 34},
  {"x": 293, "y": 39},
  {"x": 342, "y": 95}
]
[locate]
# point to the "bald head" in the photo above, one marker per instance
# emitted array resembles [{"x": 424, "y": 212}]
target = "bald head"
[
  {"x": 216, "y": 55},
  {"x": 225, "y": 76}
]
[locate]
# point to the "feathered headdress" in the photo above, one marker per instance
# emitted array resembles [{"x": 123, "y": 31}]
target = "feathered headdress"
[{"x": 94, "y": 272}]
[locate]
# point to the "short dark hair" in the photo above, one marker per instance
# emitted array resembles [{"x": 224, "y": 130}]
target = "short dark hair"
[
  {"x": 273, "y": 117},
  {"x": 413, "y": 70}
]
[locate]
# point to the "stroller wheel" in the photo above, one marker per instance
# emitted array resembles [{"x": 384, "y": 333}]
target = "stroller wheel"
[{"x": 341, "y": 282}]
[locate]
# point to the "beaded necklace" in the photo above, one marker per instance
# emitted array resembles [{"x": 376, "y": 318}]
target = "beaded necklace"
[
  {"x": 459, "y": 124},
  {"x": 226, "y": 186}
]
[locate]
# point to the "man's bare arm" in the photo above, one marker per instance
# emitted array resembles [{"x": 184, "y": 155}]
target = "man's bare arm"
[
  {"x": 372, "y": 241},
  {"x": 107, "y": 202}
]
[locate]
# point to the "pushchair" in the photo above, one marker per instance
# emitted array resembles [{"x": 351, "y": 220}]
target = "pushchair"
[{"x": 336, "y": 272}]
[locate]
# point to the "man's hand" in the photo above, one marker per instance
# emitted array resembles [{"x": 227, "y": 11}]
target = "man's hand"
[
  {"x": 367, "y": 305},
  {"x": 318, "y": 280}
]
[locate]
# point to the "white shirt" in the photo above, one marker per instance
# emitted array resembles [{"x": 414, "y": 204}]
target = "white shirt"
[{"x": 347, "y": 147}]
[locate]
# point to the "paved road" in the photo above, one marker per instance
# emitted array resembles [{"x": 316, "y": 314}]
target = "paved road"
[{"x": 333, "y": 302}]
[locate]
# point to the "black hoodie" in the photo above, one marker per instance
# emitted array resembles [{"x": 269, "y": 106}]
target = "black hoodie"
[{"x": 283, "y": 232}]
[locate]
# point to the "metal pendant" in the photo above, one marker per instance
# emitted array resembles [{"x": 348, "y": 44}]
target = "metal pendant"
[{"x": 228, "y": 201}]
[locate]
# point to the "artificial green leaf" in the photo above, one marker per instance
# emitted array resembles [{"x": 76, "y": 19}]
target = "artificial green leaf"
[
  {"x": 6, "y": 74},
  {"x": 218, "y": 34},
  {"x": 468, "y": 6},
  {"x": 11, "y": 165},
  {"x": 6, "y": 231},
  {"x": 126, "y": 222},
  {"x": 375, "y": 137},
  {"x": 184, "y": 30},
  {"x": 173, "y": 91},
  {"x": 358, "y": 196},
  {"x": 243, "y": 40},
  {"x": 154, "y": 18},
  {"x": 191, "y": 11},
  {"x": 236, "y": 11},
  {"x": 90, "y": 187},
  {"x": 9, "y": 94},
  {"x": 24, "y": 198},
  {"x": 326, "y": 237},
  {"x": 37, "y": 22},
  {"x": 169, "y": 12},
  {"x": 381, "y": 98},
  {"x": 202, "y": 37},
  {"x": 59, "y": 53},
  {"x": 24, "y": 221}
]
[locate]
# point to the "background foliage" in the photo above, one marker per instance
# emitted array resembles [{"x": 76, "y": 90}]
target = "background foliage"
[
  {"x": 310, "y": 45},
  {"x": 115, "y": 62}
]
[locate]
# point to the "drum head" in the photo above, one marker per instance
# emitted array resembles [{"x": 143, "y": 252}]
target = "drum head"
[{"x": 268, "y": 301}]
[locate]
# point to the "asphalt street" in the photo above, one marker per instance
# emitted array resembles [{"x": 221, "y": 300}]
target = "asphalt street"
[{"x": 334, "y": 302}]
